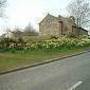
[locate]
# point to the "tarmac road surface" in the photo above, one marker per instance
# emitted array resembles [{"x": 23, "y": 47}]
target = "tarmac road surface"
[{"x": 71, "y": 73}]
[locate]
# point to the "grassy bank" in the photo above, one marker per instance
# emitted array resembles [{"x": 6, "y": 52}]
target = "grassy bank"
[
  {"x": 19, "y": 52},
  {"x": 9, "y": 61}
]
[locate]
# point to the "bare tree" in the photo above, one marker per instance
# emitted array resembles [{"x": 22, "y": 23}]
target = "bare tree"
[
  {"x": 29, "y": 30},
  {"x": 3, "y": 4},
  {"x": 80, "y": 10}
]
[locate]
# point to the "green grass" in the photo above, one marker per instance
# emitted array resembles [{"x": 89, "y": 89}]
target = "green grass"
[
  {"x": 10, "y": 58},
  {"x": 9, "y": 61}
]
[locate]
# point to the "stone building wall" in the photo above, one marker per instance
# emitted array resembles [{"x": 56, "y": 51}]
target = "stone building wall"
[{"x": 51, "y": 25}]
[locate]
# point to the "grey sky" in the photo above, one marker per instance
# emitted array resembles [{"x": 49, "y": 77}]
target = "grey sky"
[{"x": 21, "y": 12}]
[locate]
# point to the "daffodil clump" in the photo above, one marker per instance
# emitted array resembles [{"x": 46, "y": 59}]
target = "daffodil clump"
[
  {"x": 51, "y": 43},
  {"x": 62, "y": 42}
]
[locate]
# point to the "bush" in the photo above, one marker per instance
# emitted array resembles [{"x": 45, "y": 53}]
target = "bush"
[
  {"x": 71, "y": 35},
  {"x": 59, "y": 43},
  {"x": 54, "y": 37}
]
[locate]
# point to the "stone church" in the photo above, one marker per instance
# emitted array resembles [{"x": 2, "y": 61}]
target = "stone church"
[{"x": 52, "y": 25}]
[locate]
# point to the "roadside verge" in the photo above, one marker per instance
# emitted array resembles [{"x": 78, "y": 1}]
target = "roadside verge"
[{"x": 44, "y": 62}]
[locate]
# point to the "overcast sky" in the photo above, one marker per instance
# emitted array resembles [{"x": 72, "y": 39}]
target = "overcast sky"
[{"x": 21, "y": 12}]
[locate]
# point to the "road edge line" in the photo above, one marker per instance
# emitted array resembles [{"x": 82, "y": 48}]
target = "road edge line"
[{"x": 76, "y": 85}]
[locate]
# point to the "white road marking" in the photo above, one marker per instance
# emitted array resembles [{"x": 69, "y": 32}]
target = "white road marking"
[{"x": 76, "y": 85}]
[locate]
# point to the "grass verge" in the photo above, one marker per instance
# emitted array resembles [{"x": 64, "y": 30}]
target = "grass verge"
[{"x": 10, "y": 61}]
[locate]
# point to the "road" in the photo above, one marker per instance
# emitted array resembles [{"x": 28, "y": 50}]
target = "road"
[{"x": 59, "y": 75}]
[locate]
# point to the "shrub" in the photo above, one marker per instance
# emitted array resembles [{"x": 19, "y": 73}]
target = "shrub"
[
  {"x": 71, "y": 35},
  {"x": 54, "y": 37},
  {"x": 59, "y": 43}
]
